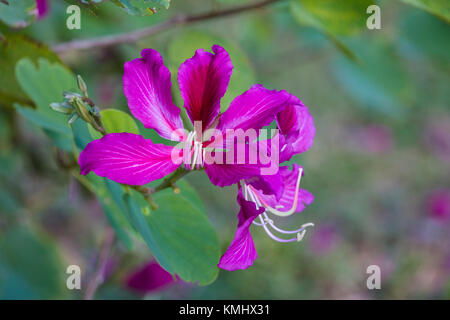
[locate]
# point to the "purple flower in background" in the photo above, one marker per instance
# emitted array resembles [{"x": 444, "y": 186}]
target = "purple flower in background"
[
  {"x": 149, "y": 278},
  {"x": 437, "y": 137},
  {"x": 203, "y": 79},
  {"x": 378, "y": 138},
  {"x": 372, "y": 138},
  {"x": 439, "y": 204},
  {"x": 42, "y": 8},
  {"x": 324, "y": 239}
]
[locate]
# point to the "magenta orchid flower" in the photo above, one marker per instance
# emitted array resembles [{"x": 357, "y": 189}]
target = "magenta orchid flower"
[{"x": 203, "y": 79}]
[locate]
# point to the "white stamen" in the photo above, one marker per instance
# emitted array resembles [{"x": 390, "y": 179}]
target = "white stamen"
[
  {"x": 294, "y": 204},
  {"x": 195, "y": 152},
  {"x": 251, "y": 193}
]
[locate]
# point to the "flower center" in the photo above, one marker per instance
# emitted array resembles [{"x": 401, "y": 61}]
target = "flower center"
[
  {"x": 252, "y": 195},
  {"x": 194, "y": 152}
]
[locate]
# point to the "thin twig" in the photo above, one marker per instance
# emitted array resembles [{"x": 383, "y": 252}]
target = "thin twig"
[
  {"x": 133, "y": 36},
  {"x": 170, "y": 181},
  {"x": 102, "y": 261}
]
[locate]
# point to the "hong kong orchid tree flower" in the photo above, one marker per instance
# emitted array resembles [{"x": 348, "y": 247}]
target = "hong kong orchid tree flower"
[
  {"x": 297, "y": 132},
  {"x": 203, "y": 79}
]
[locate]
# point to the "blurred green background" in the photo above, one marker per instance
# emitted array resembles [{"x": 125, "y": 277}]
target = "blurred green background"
[{"x": 381, "y": 158}]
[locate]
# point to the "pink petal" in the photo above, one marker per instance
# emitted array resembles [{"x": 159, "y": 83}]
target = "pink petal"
[
  {"x": 146, "y": 84},
  {"x": 149, "y": 278},
  {"x": 42, "y": 8},
  {"x": 203, "y": 80},
  {"x": 227, "y": 174},
  {"x": 127, "y": 158},
  {"x": 241, "y": 253},
  {"x": 297, "y": 126},
  {"x": 272, "y": 184},
  {"x": 254, "y": 109}
]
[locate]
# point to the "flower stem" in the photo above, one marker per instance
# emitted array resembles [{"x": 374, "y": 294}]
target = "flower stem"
[{"x": 170, "y": 181}]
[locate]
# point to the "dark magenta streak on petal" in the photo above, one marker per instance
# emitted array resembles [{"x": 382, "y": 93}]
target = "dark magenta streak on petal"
[
  {"x": 241, "y": 253},
  {"x": 203, "y": 81},
  {"x": 127, "y": 158},
  {"x": 146, "y": 85}
]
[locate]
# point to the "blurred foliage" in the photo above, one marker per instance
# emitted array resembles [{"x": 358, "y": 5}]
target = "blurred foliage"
[
  {"x": 12, "y": 49},
  {"x": 380, "y": 102},
  {"x": 439, "y": 8}
]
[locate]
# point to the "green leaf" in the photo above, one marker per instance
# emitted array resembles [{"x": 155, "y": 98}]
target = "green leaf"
[
  {"x": 141, "y": 7},
  {"x": 44, "y": 84},
  {"x": 379, "y": 81},
  {"x": 12, "y": 49},
  {"x": 331, "y": 16},
  {"x": 425, "y": 35},
  {"x": 135, "y": 212},
  {"x": 17, "y": 13},
  {"x": 438, "y": 8},
  {"x": 187, "y": 192},
  {"x": 81, "y": 134},
  {"x": 21, "y": 277},
  {"x": 183, "y": 47},
  {"x": 180, "y": 237},
  {"x": 62, "y": 141},
  {"x": 115, "y": 121}
]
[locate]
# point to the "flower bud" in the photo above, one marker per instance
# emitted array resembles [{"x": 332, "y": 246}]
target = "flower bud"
[
  {"x": 70, "y": 96},
  {"x": 61, "y": 107},
  {"x": 82, "y": 85},
  {"x": 82, "y": 109},
  {"x": 73, "y": 118}
]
